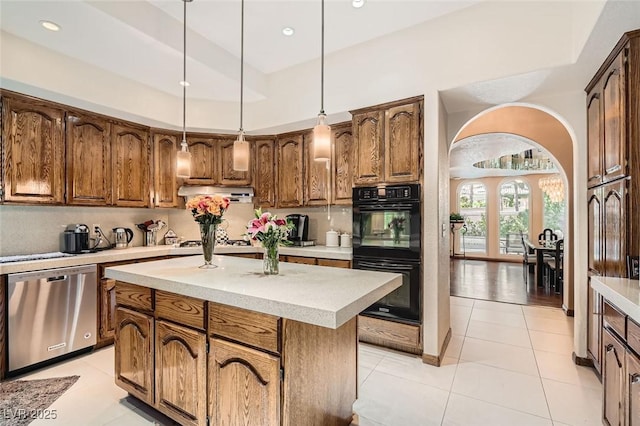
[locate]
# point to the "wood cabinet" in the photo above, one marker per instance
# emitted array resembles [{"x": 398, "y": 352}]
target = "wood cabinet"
[
  {"x": 106, "y": 311},
  {"x": 342, "y": 164},
  {"x": 613, "y": 112},
  {"x": 614, "y": 228},
  {"x": 594, "y": 136},
  {"x": 265, "y": 165},
  {"x": 180, "y": 373},
  {"x": 612, "y": 379},
  {"x": 165, "y": 148},
  {"x": 368, "y": 134},
  {"x": 228, "y": 176},
  {"x": 89, "y": 167},
  {"x": 33, "y": 151},
  {"x": 244, "y": 386},
  {"x": 316, "y": 176},
  {"x": 134, "y": 353},
  {"x": 204, "y": 170},
  {"x": 388, "y": 142},
  {"x": 390, "y": 334},
  {"x": 290, "y": 168},
  {"x": 632, "y": 389},
  {"x": 131, "y": 154},
  {"x": 594, "y": 328}
]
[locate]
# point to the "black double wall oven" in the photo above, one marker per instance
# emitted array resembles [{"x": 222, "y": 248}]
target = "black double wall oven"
[{"x": 387, "y": 237}]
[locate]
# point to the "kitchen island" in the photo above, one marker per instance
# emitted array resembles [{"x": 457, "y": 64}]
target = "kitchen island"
[{"x": 233, "y": 346}]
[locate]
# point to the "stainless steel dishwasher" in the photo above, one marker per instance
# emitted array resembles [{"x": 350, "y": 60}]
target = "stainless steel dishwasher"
[{"x": 51, "y": 313}]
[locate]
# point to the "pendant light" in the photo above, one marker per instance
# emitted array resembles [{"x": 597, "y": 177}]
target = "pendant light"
[
  {"x": 183, "y": 166},
  {"x": 322, "y": 131},
  {"x": 241, "y": 146}
]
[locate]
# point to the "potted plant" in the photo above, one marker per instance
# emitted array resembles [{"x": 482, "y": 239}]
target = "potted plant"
[{"x": 456, "y": 218}]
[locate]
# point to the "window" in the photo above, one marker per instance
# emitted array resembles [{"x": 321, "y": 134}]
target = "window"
[
  {"x": 514, "y": 216},
  {"x": 553, "y": 215},
  {"x": 472, "y": 204}
]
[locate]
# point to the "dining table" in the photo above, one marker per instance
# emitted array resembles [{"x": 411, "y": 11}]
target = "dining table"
[{"x": 541, "y": 248}]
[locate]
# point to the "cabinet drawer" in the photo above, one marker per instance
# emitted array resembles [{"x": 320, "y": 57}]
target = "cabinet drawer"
[
  {"x": 183, "y": 310},
  {"x": 389, "y": 334},
  {"x": 633, "y": 335},
  {"x": 614, "y": 319},
  {"x": 133, "y": 296},
  {"x": 335, "y": 263},
  {"x": 249, "y": 327},
  {"x": 300, "y": 259}
]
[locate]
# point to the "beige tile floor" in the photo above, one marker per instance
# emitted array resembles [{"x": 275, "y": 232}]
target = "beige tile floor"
[{"x": 505, "y": 365}]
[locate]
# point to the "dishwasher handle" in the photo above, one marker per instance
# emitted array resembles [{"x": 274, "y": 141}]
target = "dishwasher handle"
[{"x": 58, "y": 278}]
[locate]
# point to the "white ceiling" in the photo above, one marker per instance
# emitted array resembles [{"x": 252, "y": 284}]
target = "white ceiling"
[{"x": 142, "y": 40}]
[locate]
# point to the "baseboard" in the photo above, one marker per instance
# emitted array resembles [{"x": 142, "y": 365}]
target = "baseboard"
[
  {"x": 436, "y": 360},
  {"x": 578, "y": 360},
  {"x": 568, "y": 312}
]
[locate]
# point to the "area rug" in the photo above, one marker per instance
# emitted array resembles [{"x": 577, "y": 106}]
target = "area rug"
[{"x": 23, "y": 401}]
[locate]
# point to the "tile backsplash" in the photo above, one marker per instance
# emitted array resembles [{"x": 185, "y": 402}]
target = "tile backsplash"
[{"x": 38, "y": 229}]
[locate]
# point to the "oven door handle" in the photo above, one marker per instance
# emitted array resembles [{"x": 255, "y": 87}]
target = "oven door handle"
[
  {"x": 377, "y": 207},
  {"x": 385, "y": 266}
]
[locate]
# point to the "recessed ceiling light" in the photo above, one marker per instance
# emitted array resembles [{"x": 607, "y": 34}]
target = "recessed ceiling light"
[
  {"x": 51, "y": 26},
  {"x": 288, "y": 31},
  {"x": 357, "y": 3},
  {"x": 184, "y": 83}
]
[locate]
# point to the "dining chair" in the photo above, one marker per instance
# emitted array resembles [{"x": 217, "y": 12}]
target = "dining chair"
[
  {"x": 547, "y": 234},
  {"x": 554, "y": 266},
  {"x": 529, "y": 260}
]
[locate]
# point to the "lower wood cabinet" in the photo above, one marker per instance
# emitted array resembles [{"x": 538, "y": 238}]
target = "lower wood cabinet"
[
  {"x": 390, "y": 334},
  {"x": 134, "y": 353},
  {"x": 633, "y": 389},
  {"x": 612, "y": 379},
  {"x": 180, "y": 373},
  {"x": 244, "y": 385},
  {"x": 106, "y": 311}
]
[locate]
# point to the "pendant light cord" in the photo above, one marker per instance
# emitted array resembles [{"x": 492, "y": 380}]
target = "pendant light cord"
[
  {"x": 241, "y": 61},
  {"x": 184, "y": 76},
  {"x": 322, "y": 62}
]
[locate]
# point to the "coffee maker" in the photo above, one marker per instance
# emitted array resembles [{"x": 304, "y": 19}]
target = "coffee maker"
[{"x": 300, "y": 233}]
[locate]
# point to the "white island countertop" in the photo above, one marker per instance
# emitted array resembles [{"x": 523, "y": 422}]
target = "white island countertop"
[
  {"x": 622, "y": 292},
  {"x": 317, "y": 295}
]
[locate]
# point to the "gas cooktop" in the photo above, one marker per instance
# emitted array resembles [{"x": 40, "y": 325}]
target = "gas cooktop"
[{"x": 198, "y": 243}]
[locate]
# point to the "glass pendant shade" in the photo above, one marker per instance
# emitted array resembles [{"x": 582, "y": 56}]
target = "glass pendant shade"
[
  {"x": 183, "y": 164},
  {"x": 322, "y": 139},
  {"x": 241, "y": 154}
]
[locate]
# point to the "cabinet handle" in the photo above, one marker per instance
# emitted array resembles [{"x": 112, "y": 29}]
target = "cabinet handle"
[
  {"x": 635, "y": 378},
  {"x": 610, "y": 348},
  {"x": 614, "y": 168},
  {"x": 596, "y": 176}
]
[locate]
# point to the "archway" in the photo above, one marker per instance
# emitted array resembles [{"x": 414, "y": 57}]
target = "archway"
[{"x": 552, "y": 133}]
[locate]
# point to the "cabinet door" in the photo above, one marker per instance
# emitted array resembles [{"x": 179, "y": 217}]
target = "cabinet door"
[
  {"x": 204, "y": 170},
  {"x": 181, "y": 371},
  {"x": 134, "y": 353},
  {"x": 633, "y": 390},
  {"x": 402, "y": 143},
  {"x": 612, "y": 379},
  {"x": 594, "y": 327},
  {"x": 228, "y": 176},
  {"x": 165, "y": 147},
  {"x": 342, "y": 170},
  {"x": 316, "y": 176},
  {"x": 594, "y": 137},
  {"x": 244, "y": 386},
  {"x": 33, "y": 145},
  {"x": 131, "y": 166},
  {"x": 290, "y": 171},
  {"x": 594, "y": 229},
  {"x": 614, "y": 119},
  {"x": 368, "y": 154},
  {"x": 614, "y": 228},
  {"x": 88, "y": 160},
  {"x": 265, "y": 173},
  {"x": 107, "y": 308}
]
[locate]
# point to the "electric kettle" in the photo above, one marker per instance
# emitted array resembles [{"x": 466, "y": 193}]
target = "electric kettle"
[{"x": 123, "y": 237}]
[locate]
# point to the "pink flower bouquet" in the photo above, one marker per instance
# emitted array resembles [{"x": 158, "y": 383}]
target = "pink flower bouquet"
[{"x": 269, "y": 230}]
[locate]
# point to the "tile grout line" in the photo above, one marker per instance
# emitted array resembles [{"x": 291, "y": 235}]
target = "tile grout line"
[{"x": 544, "y": 391}]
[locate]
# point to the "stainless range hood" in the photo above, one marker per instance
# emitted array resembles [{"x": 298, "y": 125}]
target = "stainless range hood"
[{"x": 234, "y": 194}]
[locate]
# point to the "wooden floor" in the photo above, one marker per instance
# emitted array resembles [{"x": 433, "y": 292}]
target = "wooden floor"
[{"x": 499, "y": 282}]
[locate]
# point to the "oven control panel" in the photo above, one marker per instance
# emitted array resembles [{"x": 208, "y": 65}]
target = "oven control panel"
[{"x": 397, "y": 192}]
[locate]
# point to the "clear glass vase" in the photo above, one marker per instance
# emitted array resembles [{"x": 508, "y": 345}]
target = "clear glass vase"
[
  {"x": 208, "y": 237},
  {"x": 270, "y": 260}
]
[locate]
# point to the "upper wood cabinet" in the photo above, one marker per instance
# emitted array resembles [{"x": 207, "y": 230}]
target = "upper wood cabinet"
[
  {"x": 228, "y": 176},
  {"x": 265, "y": 172},
  {"x": 613, "y": 118},
  {"x": 131, "y": 156},
  {"x": 33, "y": 147},
  {"x": 165, "y": 147},
  {"x": 594, "y": 136},
  {"x": 388, "y": 143},
  {"x": 342, "y": 164},
  {"x": 204, "y": 170},
  {"x": 290, "y": 170},
  {"x": 368, "y": 133},
  {"x": 181, "y": 373},
  {"x": 316, "y": 176},
  {"x": 614, "y": 223},
  {"x": 88, "y": 160}
]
